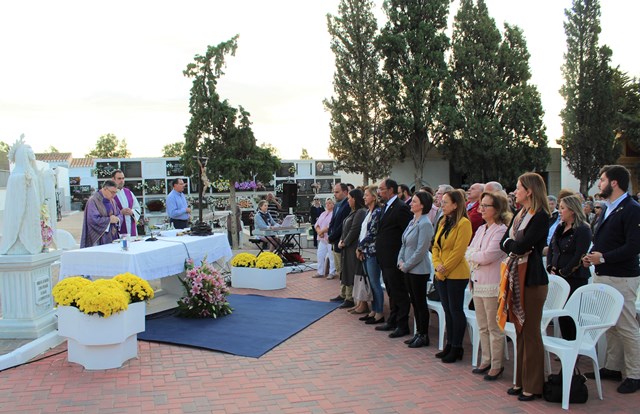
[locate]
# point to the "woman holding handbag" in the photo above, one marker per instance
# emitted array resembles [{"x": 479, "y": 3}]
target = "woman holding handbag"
[
  {"x": 413, "y": 261},
  {"x": 524, "y": 283}
]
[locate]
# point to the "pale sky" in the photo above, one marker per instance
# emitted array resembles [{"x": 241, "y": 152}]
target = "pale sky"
[{"x": 74, "y": 70}]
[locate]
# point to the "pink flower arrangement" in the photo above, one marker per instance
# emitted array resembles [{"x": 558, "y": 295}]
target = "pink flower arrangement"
[{"x": 205, "y": 292}]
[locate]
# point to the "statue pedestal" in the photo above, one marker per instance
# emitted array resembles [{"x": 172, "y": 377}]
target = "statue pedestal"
[{"x": 25, "y": 293}]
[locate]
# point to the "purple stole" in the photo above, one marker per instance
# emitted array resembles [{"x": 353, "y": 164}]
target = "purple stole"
[{"x": 123, "y": 226}]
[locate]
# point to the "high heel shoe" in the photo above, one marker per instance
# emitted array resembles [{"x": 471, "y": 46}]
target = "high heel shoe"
[
  {"x": 365, "y": 318},
  {"x": 444, "y": 352},
  {"x": 481, "y": 370},
  {"x": 454, "y": 355},
  {"x": 494, "y": 377},
  {"x": 420, "y": 341},
  {"x": 530, "y": 397}
]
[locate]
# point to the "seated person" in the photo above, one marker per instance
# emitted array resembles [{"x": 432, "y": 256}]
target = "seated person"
[{"x": 264, "y": 221}]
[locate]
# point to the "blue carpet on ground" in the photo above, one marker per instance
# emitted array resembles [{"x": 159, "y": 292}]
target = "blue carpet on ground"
[{"x": 257, "y": 324}]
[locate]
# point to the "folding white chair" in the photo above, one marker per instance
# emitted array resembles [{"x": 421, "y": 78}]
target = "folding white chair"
[
  {"x": 594, "y": 308},
  {"x": 556, "y": 297},
  {"x": 472, "y": 323}
]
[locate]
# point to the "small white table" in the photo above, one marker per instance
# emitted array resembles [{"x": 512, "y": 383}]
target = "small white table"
[{"x": 148, "y": 260}]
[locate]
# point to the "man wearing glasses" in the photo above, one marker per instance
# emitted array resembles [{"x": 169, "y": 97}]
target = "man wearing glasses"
[{"x": 102, "y": 217}]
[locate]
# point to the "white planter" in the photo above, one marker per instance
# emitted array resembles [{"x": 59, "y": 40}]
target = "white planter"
[
  {"x": 261, "y": 279},
  {"x": 101, "y": 343}
]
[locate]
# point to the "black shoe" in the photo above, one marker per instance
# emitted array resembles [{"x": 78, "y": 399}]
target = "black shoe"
[
  {"x": 408, "y": 341},
  {"x": 398, "y": 333},
  {"x": 481, "y": 370},
  {"x": 365, "y": 318},
  {"x": 374, "y": 321},
  {"x": 337, "y": 299},
  {"x": 454, "y": 355},
  {"x": 514, "y": 391},
  {"x": 494, "y": 377},
  {"x": 605, "y": 374},
  {"x": 529, "y": 397},
  {"x": 444, "y": 352},
  {"x": 347, "y": 304},
  {"x": 385, "y": 327},
  {"x": 422, "y": 340},
  {"x": 629, "y": 386}
]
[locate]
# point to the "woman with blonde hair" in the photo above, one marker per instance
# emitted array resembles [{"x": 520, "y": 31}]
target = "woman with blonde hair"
[
  {"x": 367, "y": 254},
  {"x": 484, "y": 256},
  {"x": 569, "y": 244},
  {"x": 524, "y": 283},
  {"x": 452, "y": 270}
]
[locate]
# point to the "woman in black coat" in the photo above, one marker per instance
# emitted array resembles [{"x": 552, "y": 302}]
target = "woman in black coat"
[
  {"x": 569, "y": 244},
  {"x": 523, "y": 242}
]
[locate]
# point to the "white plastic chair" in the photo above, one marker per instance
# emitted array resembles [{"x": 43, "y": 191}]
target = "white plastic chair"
[
  {"x": 472, "y": 323},
  {"x": 434, "y": 305},
  {"x": 594, "y": 308},
  {"x": 556, "y": 297},
  {"x": 65, "y": 241}
]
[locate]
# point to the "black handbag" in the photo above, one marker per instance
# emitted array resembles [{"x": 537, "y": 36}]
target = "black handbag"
[{"x": 578, "y": 392}]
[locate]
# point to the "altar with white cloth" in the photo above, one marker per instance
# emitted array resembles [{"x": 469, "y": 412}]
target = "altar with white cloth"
[{"x": 147, "y": 259}]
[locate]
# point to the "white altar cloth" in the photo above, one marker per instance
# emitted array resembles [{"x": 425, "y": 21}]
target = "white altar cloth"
[{"x": 148, "y": 260}]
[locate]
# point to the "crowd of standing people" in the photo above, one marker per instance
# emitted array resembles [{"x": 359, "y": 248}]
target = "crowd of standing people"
[{"x": 497, "y": 249}]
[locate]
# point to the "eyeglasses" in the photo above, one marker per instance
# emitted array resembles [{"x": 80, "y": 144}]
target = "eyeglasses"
[
  {"x": 486, "y": 205},
  {"x": 114, "y": 192},
  {"x": 598, "y": 208}
]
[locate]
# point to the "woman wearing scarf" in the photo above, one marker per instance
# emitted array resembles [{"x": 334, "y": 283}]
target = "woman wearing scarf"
[
  {"x": 524, "y": 283},
  {"x": 452, "y": 270}
]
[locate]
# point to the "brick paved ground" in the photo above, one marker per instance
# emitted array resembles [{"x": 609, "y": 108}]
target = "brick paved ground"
[{"x": 337, "y": 365}]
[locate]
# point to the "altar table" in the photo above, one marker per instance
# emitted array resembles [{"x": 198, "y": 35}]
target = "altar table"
[{"x": 148, "y": 260}]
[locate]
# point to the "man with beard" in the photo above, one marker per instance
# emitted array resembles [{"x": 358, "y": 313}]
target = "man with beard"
[
  {"x": 128, "y": 205},
  {"x": 616, "y": 245},
  {"x": 393, "y": 221}
]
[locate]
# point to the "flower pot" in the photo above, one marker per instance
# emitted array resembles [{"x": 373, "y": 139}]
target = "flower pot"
[
  {"x": 101, "y": 343},
  {"x": 261, "y": 279}
]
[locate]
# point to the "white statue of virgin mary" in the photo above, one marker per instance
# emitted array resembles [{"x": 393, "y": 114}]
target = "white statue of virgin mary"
[{"x": 22, "y": 233}]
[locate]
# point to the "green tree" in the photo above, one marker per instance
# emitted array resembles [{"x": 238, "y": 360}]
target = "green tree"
[
  {"x": 52, "y": 150},
  {"x": 173, "y": 150},
  {"x": 304, "y": 155},
  {"x": 413, "y": 43},
  {"x": 626, "y": 92},
  {"x": 588, "y": 118},
  {"x": 494, "y": 130},
  {"x": 109, "y": 146},
  {"x": 220, "y": 132},
  {"x": 4, "y": 147},
  {"x": 357, "y": 141}
]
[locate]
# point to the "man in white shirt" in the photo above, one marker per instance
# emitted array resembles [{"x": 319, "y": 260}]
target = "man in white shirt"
[{"x": 128, "y": 205}]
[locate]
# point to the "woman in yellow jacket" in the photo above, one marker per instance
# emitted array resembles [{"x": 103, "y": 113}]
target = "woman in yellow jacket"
[{"x": 452, "y": 270}]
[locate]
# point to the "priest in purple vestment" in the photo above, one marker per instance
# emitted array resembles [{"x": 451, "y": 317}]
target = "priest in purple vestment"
[{"x": 102, "y": 217}]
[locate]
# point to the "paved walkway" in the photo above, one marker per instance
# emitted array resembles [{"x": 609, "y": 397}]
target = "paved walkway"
[{"x": 336, "y": 365}]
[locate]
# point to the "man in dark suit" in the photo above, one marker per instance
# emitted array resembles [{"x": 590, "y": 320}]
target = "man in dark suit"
[
  {"x": 340, "y": 212},
  {"x": 395, "y": 218},
  {"x": 616, "y": 245}
]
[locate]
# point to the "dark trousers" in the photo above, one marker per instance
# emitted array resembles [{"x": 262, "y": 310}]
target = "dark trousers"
[
  {"x": 417, "y": 288},
  {"x": 179, "y": 224},
  {"x": 567, "y": 325},
  {"x": 399, "y": 303},
  {"x": 452, "y": 299}
]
